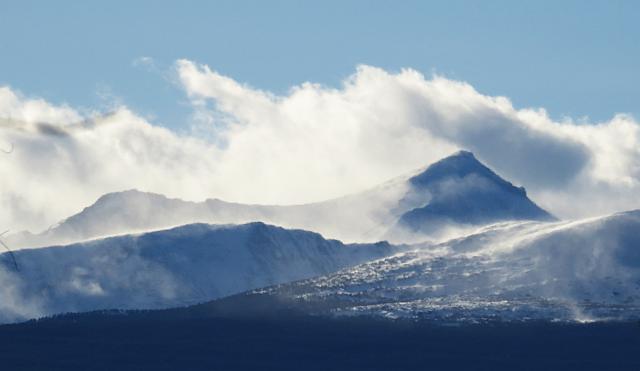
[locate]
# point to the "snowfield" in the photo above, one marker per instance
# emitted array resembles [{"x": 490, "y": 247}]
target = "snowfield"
[
  {"x": 181, "y": 266},
  {"x": 584, "y": 271}
]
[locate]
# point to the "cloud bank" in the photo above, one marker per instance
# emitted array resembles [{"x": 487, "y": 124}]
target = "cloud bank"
[{"x": 313, "y": 143}]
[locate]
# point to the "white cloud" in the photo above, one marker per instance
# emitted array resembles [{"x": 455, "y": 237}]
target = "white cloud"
[
  {"x": 62, "y": 162},
  {"x": 379, "y": 124},
  {"x": 313, "y": 143}
]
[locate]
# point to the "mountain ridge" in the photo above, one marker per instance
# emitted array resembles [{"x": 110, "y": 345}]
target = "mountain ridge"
[
  {"x": 578, "y": 271},
  {"x": 408, "y": 208},
  {"x": 187, "y": 264},
  {"x": 517, "y": 272}
]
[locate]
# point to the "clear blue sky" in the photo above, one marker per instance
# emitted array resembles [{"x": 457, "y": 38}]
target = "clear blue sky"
[{"x": 574, "y": 58}]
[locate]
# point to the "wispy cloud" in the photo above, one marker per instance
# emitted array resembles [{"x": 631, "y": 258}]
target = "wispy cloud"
[
  {"x": 144, "y": 61},
  {"x": 379, "y": 124}
]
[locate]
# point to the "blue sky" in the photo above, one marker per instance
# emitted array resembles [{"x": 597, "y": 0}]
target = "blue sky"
[{"x": 575, "y": 58}]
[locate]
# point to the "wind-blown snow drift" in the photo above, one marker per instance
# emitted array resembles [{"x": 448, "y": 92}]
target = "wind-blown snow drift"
[
  {"x": 185, "y": 265},
  {"x": 583, "y": 270},
  {"x": 570, "y": 270}
]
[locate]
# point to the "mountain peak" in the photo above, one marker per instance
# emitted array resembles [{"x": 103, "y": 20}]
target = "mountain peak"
[
  {"x": 463, "y": 153},
  {"x": 458, "y": 165},
  {"x": 129, "y": 194},
  {"x": 465, "y": 191}
]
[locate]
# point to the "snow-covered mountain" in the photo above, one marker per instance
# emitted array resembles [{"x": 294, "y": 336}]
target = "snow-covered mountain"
[
  {"x": 465, "y": 192},
  {"x": 582, "y": 270},
  {"x": 185, "y": 265},
  {"x": 456, "y": 192},
  {"x": 517, "y": 270}
]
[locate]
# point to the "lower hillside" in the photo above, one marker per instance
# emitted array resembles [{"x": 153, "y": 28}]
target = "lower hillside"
[
  {"x": 519, "y": 271},
  {"x": 177, "y": 267}
]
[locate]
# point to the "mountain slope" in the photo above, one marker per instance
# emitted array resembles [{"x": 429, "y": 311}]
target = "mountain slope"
[
  {"x": 457, "y": 191},
  {"x": 134, "y": 211},
  {"x": 517, "y": 271},
  {"x": 189, "y": 264},
  {"x": 464, "y": 191},
  {"x": 351, "y": 218}
]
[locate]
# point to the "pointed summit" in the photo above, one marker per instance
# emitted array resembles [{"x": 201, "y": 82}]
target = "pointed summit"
[
  {"x": 459, "y": 165},
  {"x": 465, "y": 191}
]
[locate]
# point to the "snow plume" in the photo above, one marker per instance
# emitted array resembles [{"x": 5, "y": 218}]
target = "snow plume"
[
  {"x": 311, "y": 144},
  {"x": 379, "y": 124},
  {"x": 13, "y": 305},
  {"x": 63, "y": 161},
  {"x": 170, "y": 268}
]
